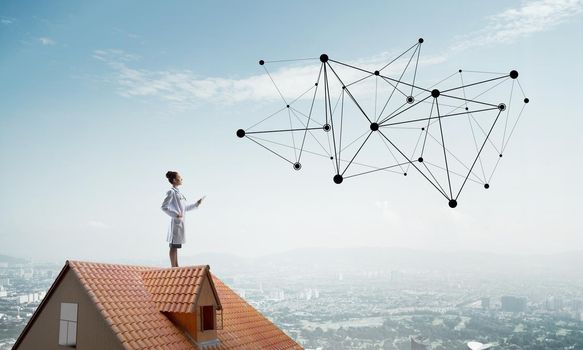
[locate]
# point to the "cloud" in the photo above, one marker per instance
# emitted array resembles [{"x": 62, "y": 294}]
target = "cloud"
[
  {"x": 98, "y": 225},
  {"x": 515, "y": 23},
  {"x": 6, "y": 20},
  {"x": 185, "y": 88},
  {"x": 47, "y": 41}
]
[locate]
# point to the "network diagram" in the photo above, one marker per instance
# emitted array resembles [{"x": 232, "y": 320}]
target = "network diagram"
[{"x": 365, "y": 120}]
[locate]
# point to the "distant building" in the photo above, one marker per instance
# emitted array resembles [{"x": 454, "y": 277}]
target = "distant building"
[
  {"x": 513, "y": 304},
  {"x": 485, "y": 303},
  {"x": 419, "y": 343},
  {"x": 554, "y": 303}
]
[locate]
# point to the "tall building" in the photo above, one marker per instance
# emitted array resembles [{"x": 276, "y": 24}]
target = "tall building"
[{"x": 513, "y": 304}]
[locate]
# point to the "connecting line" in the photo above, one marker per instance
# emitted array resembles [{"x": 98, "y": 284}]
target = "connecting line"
[
  {"x": 478, "y": 95},
  {"x": 443, "y": 144},
  {"x": 392, "y": 154},
  {"x": 315, "y": 138},
  {"x": 294, "y": 60},
  {"x": 270, "y": 131},
  {"x": 277, "y": 154},
  {"x": 288, "y": 146},
  {"x": 382, "y": 76},
  {"x": 443, "y": 116},
  {"x": 379, "y": 169},
  {"x": 415, "y": 149},
  {"x": 409, "y": 161},
  {"x": 514, "y": 126},
  {"x": 305, "y": 116},
  {"x": 310, "y": 114},
  {"x": 433, "y": 177},
  {"x": 468, "y": 100},
  {"x": 356, "y": 153},
  {"x": 453, "y": 172},
  {"x": 389, "y": 117},
  {"x": 394, "y": 86},
  {"x": 329, "y": 105},
  {"x": 269, "y": 116},
  {"x": 274, "y": 84},
  {"x": 292, "y": 134},
  {"x": 427, "y": 127},
  {"x": 507, "y": 114},
  {"x": 389, "y": 100},
  {"x": 341, "y": 123},
  {"x": 359, "y": 80},
  {"x": 472, "y": 84},
  {"x": 358, "y": 138},
  {"x": 349, "y": 94},
  {"x": 475, "y": 160},
  {"x": 409, "y": 49},
  {"x": 416, "y": 65},
  {"x": 472, "y": 129},
  {"x": 456, "y": 158}
]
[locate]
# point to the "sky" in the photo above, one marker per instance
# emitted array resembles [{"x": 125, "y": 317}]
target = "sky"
[{"x": 100, "y": 99}]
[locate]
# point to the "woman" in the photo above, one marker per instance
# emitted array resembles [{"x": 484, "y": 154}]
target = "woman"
[{"x": 175, "y": 206}]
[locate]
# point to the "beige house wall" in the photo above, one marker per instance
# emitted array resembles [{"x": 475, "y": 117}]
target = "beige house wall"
[
  {"x": 206, "y": 298},
  {"x": 93, "y": 333}
]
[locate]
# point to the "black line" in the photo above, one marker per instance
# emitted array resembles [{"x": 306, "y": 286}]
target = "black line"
[
  {"x": 391, "y": 116},
  {"x": 468, "y": 100},
  {"x": 274, "y": 84},
  {"x": 409, "y": 49},
  {"x": 341, "y": 123},
  {"x": 359, "y": 80},
  {"x": 379, "y": 169},
  {"x": 364, "y": 70},
  {"x": 427, "y": 127},
  {"x": 269, "y": 116},
  {"x": 391, "y": 152},
  {"x": 315, "y": 138},
  {"x": 443, "y": 116},
  {"x": 349, "y": 94},
  {"x": 292, "y": 134},
  {"x": 458, "y": 174},
  {"x": 357, "y": 152},
  {"x": 416, "y": 65},
  {"x": 282, "y": 130},
  {"x": 277, "y": 154},
  {"x": 507, "y": 115},
  {"x": 293, "y": 60},
  {"x": 472, "y": 129},
  {"x": 475, "y": 160},
  {"x": 434, "y": 178},
  {"x": 409, "y": 160},
  {"x": 329, "y": 105},
  {"x": 472, "y": 84},
  {"x": 310, "y": 114},
  {"x": 514, "y": 126},
  {"x": 443, "y": 144}
]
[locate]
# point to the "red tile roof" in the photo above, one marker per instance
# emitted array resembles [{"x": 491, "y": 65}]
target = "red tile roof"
[{"x": 131, "y": 299}]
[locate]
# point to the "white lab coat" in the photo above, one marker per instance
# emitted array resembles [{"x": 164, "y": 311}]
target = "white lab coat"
[{"x": 174, "y": 204}]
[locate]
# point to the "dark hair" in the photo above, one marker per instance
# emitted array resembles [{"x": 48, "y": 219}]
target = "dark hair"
[{"x": 171, "y": 176}]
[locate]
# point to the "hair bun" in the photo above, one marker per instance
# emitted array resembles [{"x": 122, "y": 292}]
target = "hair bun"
[{"x": 168, "y": 174}]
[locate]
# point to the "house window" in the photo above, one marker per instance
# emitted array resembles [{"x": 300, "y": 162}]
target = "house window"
[
  {"x": 208, "y": 317},
  {"x": 68, "y": 325}
]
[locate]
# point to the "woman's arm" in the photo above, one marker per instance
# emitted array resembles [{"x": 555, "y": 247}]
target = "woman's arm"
[
  {"x": 194, "y": 205},
  {"x": 166, "y": 205}
]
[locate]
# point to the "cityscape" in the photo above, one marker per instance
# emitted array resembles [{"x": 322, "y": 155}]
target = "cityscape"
[{"x": 324, "y": 301}]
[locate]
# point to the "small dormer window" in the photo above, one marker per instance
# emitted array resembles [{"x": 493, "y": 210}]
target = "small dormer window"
[
  {"x": 68, "y": 325},
  {"x": 207, "y": 313}
]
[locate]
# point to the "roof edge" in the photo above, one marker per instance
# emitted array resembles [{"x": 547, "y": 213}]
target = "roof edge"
[{"x": 42, "y": 305}]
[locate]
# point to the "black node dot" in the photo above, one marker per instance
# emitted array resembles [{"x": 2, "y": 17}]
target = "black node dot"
[
  {"x": 331, "y": 158},
  {"x": 486, "y": 186},
  {"x": 287, "y": 106},
  {"x": 460, "y": 71},
  {"x": 420, "y": 159},
  {"x": 376, "y": 72},
  {"x": 467, "y": 109},
  {"x": 326, "y": 127},
  {"x": 405, "y": 174},
  {"x": 240, "y": 133},
  {"x": 374, "y": 126},
  {"x": 502, "y": 106},
  {"x": 513, "y": 74},
  {"x": 500, "y": 155},
  {"x": 452, "y": 203},
  {"x": 316, "y": 84},
  {"x": 338, "y": 179},
  {"x": 261, "y": 62},
  {"x": 526, "y": 100},
  {"x": 420, "y": 40},
  {"x": 410, "y": 99},
  {"x": 297, "y": 166},
  {"x": 435, "y": 93},
  {"x": 343, "y": 87},
  {"x": 422, "y": 129},
  {"x": 323, "y": 58}
]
